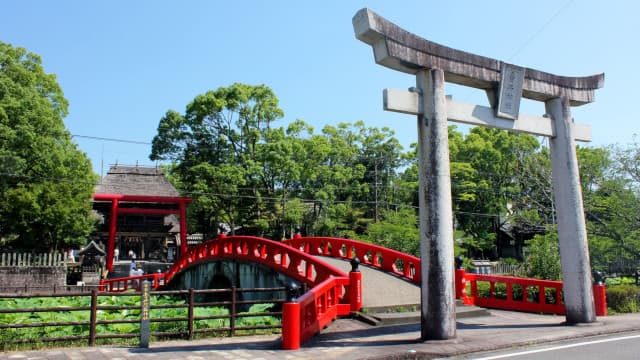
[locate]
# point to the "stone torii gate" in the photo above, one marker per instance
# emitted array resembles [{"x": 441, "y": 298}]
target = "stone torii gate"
[{"x": 505, "y": 84}]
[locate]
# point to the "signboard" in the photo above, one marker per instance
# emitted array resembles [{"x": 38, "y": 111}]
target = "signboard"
[{"x": 510, "y": 92}]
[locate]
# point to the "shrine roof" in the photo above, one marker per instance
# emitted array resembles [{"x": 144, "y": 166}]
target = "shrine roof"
[{"x": 136, "y": 180}]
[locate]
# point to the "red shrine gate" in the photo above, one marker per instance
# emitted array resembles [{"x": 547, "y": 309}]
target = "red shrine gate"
[{"x": 136, "y": 205}]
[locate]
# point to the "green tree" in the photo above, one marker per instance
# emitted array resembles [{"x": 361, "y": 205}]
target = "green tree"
[
  {"x": 542, "y": 259},
  {"x": 486, "y": 172},
  {"x": 612, "y": 204},
  {"x": 397, "y": 230},
  {"x": 216, "y": 149},
  {"x": 45, "y": 181}
]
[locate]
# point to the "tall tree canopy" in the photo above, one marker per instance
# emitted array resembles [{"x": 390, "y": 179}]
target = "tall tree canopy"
[
  {"x": 45, "y": 181},
  {"x": 350, "y": 180},
  {"x": 216, "y": 149}
]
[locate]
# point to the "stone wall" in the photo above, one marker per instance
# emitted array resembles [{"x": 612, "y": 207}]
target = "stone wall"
[{"x": 14, "y": 277}]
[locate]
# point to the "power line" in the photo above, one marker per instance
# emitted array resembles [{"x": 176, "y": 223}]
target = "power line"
[
  {"x": 111, "y": 139},
  {"x": 540, "y": 30}
]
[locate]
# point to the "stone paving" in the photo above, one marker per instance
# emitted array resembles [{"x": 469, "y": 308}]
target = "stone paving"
[{"x": 350, "y": 339}]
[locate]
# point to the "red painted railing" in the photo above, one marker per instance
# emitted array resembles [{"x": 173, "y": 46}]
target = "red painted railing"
[
  {"x": 307, "y": 315},
  {"x": 334, "y": 294},
  {"x": 388, "y": 260},
  {"x": 519, "y": 294},
  {"x": 275, "y": 255},
  {"x": 313, "y": 311},
  {"x": 131, "y": 282},
  {"x": 508, "y": 293}
]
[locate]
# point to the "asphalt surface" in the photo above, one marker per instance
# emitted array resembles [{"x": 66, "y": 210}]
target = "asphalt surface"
[{"x": 351, "y": 339}]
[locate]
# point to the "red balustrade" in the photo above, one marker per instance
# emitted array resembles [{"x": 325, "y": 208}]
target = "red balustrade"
[
  {"x": 519, "y": 294},
  {"x": 334, "y": 294},
  {"x": 328, "y": 298},
  {"x": 505, "y": 292},
  {"x": 388, "y": 260},
  {"x": 131, "y": 282},
  {"x": 275, "y": 255}
]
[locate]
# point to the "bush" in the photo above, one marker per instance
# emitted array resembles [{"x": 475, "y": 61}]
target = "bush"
[
  {"x": 543, "y": 257},
  {"x": 619, "y": 281},
  {"x": 623, "y": 298}
]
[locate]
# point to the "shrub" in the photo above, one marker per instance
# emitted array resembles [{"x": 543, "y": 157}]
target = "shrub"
[
  {"x": 543, "y": 257},
  {"x": 623, "y": 298}
]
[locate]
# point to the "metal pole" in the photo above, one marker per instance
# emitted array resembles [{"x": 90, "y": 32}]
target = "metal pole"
[{"x": 438, "y": 320}]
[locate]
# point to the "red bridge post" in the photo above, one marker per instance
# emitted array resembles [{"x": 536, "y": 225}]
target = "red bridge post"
[
  {"x": 599, "y": 294},
  {"x": 291, "y": 320},
  {"x": 355, "y": 285},
  {"x": 461, "y": 283}
]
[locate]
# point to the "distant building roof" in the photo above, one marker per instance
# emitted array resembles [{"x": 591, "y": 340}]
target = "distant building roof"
[{"x": 136, "y": 180}]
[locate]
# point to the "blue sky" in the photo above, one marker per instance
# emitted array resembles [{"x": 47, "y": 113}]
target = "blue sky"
[{"x": 123, "y": 64}]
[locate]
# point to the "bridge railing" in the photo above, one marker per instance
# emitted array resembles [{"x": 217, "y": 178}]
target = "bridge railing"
[
  {"x": 519, "y": 294},
  {"x": 307, "y": 315},
  {"x": 388, "y": 260},
  {"x": 332, "y": 293},
  {"x": 491, "y": 291},
  {"x": 131, "y": 282}
]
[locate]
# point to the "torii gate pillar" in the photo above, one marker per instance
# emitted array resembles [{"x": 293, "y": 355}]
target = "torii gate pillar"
[
  {"x": 572, "y": 232},
  {"x": 438, "y": 315},
  {"x": 505, "y": 84}
]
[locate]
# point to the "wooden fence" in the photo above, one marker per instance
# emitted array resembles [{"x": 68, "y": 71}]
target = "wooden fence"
[
  {"x": 29, "y": 259},
  {"x": 100, "y": 319}
]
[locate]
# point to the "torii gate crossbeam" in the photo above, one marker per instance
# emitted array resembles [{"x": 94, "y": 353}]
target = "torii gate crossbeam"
[{"x": 505, "y": 84}]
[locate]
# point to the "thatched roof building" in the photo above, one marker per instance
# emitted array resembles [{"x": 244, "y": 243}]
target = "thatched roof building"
[
  {"x": 136, "y": 180},
  {"x": 150, "y": 213}
]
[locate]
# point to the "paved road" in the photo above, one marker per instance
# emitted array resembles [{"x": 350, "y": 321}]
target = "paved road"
[{"x": 619, "y": 347}]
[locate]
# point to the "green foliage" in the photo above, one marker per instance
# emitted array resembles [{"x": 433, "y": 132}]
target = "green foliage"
[
  {"x": 619, "y": 281},
  {"x": 350, "y": 180},
  {"x": 398, "y": 230},
  {"x": 69, "y": 315},
  {"x": 623, "y": 298},
  {"x": 45, "y": 180},
  {"x": 543, "y": 257}
]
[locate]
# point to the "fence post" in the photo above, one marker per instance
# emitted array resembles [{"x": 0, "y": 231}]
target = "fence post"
[
  {"x": 355, "y": 285},
  {"x": 190, "y": 311},
  {"x": 291, "y": 320},
  {"x": 232, "y": 321},
  {"x": 599, "y": 294},
  {"x": 145, "y": 303},
  {"x": 93, "y": 317}
]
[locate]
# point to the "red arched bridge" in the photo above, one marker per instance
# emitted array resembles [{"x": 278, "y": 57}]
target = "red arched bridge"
[{"x": 334, "y": 293}]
